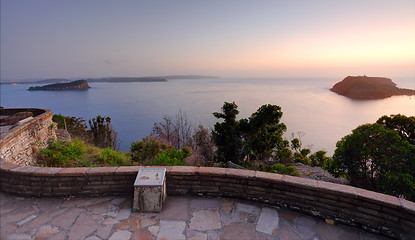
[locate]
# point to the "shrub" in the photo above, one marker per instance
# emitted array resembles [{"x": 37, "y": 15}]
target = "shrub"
[
  {"x": 172, "y": 157},
  {"x": 281, "y": 169},
  {"x": 111, "y": 157},
  {"x": 143, "y": 151},
  {"x": 61, "y": 153}
]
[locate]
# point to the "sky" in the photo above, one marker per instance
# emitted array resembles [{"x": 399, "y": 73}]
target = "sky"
[{"x": 235, "y": 38}]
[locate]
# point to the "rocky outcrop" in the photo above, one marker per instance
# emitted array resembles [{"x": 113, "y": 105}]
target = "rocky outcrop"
[
  {"x": 75, "y": 85},
  {"x": 363, "y": 87}
]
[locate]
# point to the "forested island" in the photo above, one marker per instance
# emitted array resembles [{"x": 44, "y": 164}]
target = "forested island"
[
  {"x": 363, "y": 87},
  {"x": 75, "y": 85}
]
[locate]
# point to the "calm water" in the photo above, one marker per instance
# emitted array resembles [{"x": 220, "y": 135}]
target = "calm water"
[{"x": 307, "y": 104}]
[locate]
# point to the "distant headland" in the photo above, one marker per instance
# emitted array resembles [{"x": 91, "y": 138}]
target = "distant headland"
[
  {"x": 363, "y": 87},
  {"x": 75, "y": 85}
]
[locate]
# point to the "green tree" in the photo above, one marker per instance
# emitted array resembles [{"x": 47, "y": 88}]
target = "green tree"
[
  {"x": 226, "y": 135},
  {"x": 263, "y": 132},
  {"x": 405, "y": 126},
  {"x": 374, "y": 157},
  {"x": 76, "y": 127}
]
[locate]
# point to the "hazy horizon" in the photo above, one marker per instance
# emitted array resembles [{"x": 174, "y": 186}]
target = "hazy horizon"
[{"x": 70, "y": 39}]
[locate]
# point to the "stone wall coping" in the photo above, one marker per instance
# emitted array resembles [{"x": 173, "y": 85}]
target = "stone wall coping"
[{"x": 302, "y": 183}]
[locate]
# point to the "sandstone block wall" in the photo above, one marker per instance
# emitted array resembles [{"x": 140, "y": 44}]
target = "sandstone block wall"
[
  {"x": 376, "y": 212},
  {"x": 17, "y": 145}
]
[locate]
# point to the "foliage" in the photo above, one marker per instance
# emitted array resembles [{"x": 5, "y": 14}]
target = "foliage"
[
  {"x": 405, "y": 126},
  {"x": 172, "y": 157},
  {"x": 143, "y": 151},
  {"x": 281, "y": 169},
  {"x": 374, "y": 157},
  {"x": 226, "y": 135},
  {"x": 76, "y": 127},
  {"x": 255, "y": 138},
  {"x": 319, "y": 159},
  {"x": 79, "y": 154},
  {"x": 103, "y": 133}
]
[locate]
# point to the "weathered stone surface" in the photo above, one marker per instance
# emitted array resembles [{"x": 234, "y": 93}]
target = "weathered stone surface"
[
  {"x": 18, "y": 236},
  {"x": 35, "y": 223},
  {"x": 239, "y": 231},
  {"x": 171, "y": 230},
  {"x": 142, "y": 235},
  {"x": 99, "y": 208},
  {"x": 139, "y": 223},
  {"x": 123, "y": 214},
  {"x": 121, "y": 226},
  {"x": 104, "y": 231},
  {"x": 203, "y": 220},
  {"x": 175, "y": 208},
  {"x": 227, "y": 205},
  {"x": 199, "y": 236},
  {"x": 287, "y": 232},
  {"x": 204, "y": 203},
  {"x": 83, "y": 226},
  {"x": 248, "y": 208},
  {"x": 329, "y": 231},
  {"x": 268, "y": 221},
  {"x": 154, "y": 229},
  {"x": 45, "y": 232},
  {"x": 18, "y": 216},
  {"x": 123, "y": 234},
  {"x": 66, "y": 219}
]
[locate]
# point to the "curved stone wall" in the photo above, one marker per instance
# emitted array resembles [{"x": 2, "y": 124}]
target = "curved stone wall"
[
  {"x": 17, "y": 145},
  {"x": 388, "y": 215}
]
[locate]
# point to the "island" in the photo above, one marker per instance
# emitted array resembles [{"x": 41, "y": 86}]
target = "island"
[
  {"x": 364, "y": 87},
  {"x": 75, "y": 85}
]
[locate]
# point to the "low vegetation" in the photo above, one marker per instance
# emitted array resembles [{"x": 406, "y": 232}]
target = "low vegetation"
[{"x": 378, "y": 156}]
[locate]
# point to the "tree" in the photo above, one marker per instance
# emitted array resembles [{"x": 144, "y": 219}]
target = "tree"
[
  {"x": 405, "y": 126},
  {"x": 226, "y": 135},
  {"x": 264, "y": 131},
  {"x": 75, "y": 126},
  {"x": 103, "y": 134},
  {"x": 374, "y": 157}
]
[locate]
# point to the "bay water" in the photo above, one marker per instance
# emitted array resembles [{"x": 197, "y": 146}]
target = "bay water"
[{"x": 308, "y": 106}]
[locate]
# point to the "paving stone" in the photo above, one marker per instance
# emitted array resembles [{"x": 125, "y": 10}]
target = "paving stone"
[
  {"x": 104, "y": 231},
  {"x": 175, "y": 208},
  {"x": 122, "y": 234},
  {"x": 227, "y": 205},
  {"x": 307, "y": 232},
  {"x": 45, "y": 232},
  {"x": 248, "y": 208},
  {"x": 48, "y": 205},
  {"x": 171, "y": 230},
  {"x": 288, "y": 232},
  {"x": 99, "y": 208},
  {"x": 26, "y": 220},
  {"x": 92, "y": 238},
  {"x": 252, "y": 219},
  {"x": 227, "y": 219},
  {"x": 239, "y": 231},
  {"x": 140, "y": 223},
  {"x": 329, "y": 231},
  {"x": 268, "y": 221},
  {"x": 369, "y": 236},
  {"x": 121, "y": 226},
  {"x": 19, "y": 216},
  {"x": 199, "y": 236},
  {"x": 154, "y": 229},
  {"x": 123, "y": 214},
  {"x": 83, "y": 226},
  {"x": 190, "y": 232},
  {"x": 203, "y": 220},
  {"x": 204, "y": 203},
  {"x": 288, "y": 215},
  {"x": 18, "y": 236},
  {"x": 66, "y": 219},
  {"x": 35, "y": 223},
  {"x": 127, "y": 204},
  {"x": 142, "y": 235},
  {"x": 214, "y": 234},
  {"x": 242, "y": 216},
  {"x": 305, "y": 221},
  {"x": 7, "y": 229},
  {"x": 18, "y": 204},
  {"x": 117, "y": 201},
  {"x": 59, "y": 236},
  {"x": 110, "y": 221}
]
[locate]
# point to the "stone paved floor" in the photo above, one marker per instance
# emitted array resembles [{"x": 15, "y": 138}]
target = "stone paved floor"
[{"x": 181, "y": 218}]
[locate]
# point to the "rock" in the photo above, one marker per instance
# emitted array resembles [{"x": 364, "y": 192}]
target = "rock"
[
  {"x": 363, "y": 87},
  {"x": 317, "y": 173},
  {"x": 75, "y": 85},
  {"x": 63, "y": 135}
]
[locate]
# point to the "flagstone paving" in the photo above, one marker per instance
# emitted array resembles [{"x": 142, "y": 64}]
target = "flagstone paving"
[{"x": 190, "y": 218}]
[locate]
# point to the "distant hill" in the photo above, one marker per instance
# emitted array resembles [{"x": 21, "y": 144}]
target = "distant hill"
[
  {"x": 75, "y": 85},
  {"x": 127, "y": 79},
  {"x": 363, "y": 87}
]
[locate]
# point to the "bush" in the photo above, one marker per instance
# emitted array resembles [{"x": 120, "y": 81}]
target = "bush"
[
  {"x": 61, "y": 153},
  {"x": 143, "y": 151},
  {"x": 111, "y": 157},
  {"x": 172, "y": 157},
  {"x": 281, "y": 169}
]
